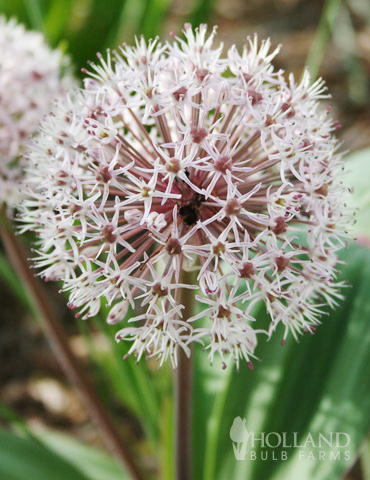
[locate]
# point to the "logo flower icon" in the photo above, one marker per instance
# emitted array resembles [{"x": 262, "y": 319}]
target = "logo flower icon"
[{"x": 239, "y": 436}]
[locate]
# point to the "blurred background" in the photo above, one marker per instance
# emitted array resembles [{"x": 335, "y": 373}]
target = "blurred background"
[{"x": 333, "y": 39}]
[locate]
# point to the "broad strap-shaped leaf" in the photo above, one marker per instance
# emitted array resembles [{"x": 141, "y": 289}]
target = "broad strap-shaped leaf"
[
  {"x": 24, "y": 459},
  {"x": 94, "y": 463}
]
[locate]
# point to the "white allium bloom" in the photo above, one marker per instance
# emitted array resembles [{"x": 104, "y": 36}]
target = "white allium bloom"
[
  {"x": 30, "y": 78},
  {"x": 173, "y": 157}
]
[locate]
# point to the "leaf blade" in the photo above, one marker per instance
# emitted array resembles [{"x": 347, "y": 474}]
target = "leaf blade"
[{"x": 23, "y": 459}]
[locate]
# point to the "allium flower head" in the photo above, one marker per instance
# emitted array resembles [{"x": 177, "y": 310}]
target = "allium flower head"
[
  {"x": 174, "y": 158},
  {"x": 29, "y": 80}
]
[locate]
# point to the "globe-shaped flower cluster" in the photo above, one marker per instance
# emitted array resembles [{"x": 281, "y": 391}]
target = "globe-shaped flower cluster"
[
  {"x": 174, "y": 159},
  {"x": 30, "y": 78}
]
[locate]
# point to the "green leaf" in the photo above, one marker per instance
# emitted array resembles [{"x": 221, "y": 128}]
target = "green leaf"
[
  {"x": 201, "y": 12},
  {"x": 132, "y": 15},
  {"x": 319, "y": 45},
  {"x": 56, "y": 19},
  {"x": 133, "y": 384},
  {"x": 320, "y": 385},
  {"x": 16, "y": 9},
  {"x": 154, "y": 17},
  {"x": 167, "y": 450},
  {"x": 94, "y": 463},
  {"x": 23, "y": 459},
  {"x": 35, "y": 14},
  {"x": 97, "y": 32},
  {"x": 357, "y": 178}
]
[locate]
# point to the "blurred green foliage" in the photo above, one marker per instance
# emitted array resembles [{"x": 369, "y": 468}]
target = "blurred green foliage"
[
  {"x": 22, "y": 458},
  {"x": 84, "y": 27}
]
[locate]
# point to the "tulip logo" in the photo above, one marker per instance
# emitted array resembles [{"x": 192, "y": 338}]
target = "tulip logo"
[{"x": 239, "y": 436}]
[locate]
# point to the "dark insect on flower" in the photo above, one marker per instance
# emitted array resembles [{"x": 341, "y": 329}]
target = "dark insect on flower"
[{"x": 190, "y": 212}]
